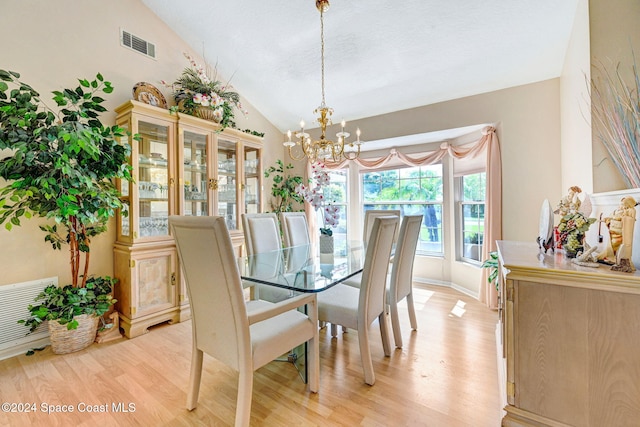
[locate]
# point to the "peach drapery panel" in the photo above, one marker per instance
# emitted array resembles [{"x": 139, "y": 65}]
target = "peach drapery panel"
[{"x": 487, "y": 144}]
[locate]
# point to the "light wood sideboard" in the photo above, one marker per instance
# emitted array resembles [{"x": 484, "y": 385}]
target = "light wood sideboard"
[{"x": 571, "y": 340}]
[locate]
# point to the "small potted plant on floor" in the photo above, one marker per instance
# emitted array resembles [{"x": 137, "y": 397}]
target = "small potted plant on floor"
[{"x": 61, "y": 166}]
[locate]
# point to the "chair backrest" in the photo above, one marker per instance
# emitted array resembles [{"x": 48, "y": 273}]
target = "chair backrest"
[
  {"x": 261, "y": 232},
  {"x": 405, "y": 253},
  {"x": 218, "y": 310},
  {"x": 373, "y": 286},
  {"x": 295, "y": 228},
  {"x": 370, "y": 215}
]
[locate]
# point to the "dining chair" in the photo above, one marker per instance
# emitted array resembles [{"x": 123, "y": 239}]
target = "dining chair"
[
  {"x": 244, "y": 335},
  {"x": 370, "y": 215},
  {"x": 295, "y": 229},
  {"x": 261, "y": 232},
  {"x": 357, "y": 308},
  {"x": 400, "y": 281},
  {"x": 261, "y": 235}
]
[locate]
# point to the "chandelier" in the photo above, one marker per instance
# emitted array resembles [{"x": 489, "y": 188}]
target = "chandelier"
[{"x": 323, "y": 149}]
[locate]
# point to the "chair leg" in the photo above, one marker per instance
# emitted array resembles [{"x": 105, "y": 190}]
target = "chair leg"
[
  {"x": 412, "y": 312},
  {"x": 194, "y": 379},
  {"x": 334, "y": 330},
  {"x": 384, "y": 333},
  {"x": 245, "y": 390},
  {"x": 395, "y": 324},
  {"x": 365, "y": 355}
]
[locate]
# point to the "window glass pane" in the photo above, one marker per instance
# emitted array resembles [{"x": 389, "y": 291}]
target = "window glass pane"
[
  {"x": 422, "y": 183},
  {"x": 472, "y": 212},
  {"x": 413, "y": 191},
  {"x": 474, "y": 187}
]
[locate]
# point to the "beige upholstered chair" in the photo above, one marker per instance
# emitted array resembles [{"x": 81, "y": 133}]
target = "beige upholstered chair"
[
  {"x": 295, "y": 229},
  {"x": 357, "y": 308},
  {"x": 400, "y": 281},
  {"x": 368, "y": 221},
  {"x": 242, "y": 335},
  {"x": 261, "y": 232},
  {"x": 261, "y": 235},
  {"x": 400, "y": 284}
]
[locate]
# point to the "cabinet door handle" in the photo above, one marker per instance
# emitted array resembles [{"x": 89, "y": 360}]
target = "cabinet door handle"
[
  {"x": 213, "y": 184},
  {"x": 173, "y": 279}
]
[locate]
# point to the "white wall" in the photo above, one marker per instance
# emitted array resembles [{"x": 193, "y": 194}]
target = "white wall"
[
  {"x": 613, "y": 26},
  {"x": 51, "y": 44},
  {"x": 575, "y": 107}
]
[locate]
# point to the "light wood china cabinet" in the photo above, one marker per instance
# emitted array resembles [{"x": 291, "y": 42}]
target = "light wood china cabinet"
[
  {"x": 571, "y": 341},
  {"x": 182, "y": 165}
]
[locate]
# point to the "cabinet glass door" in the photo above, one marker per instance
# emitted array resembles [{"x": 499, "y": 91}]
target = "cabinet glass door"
[
  {"x": 251, "y": 180},
  {"x": 153, "y": 179},
  {"x": 124, "y": 225},
  {"x": 227, "y": 183},
  {"x": 195, "y": 188}
]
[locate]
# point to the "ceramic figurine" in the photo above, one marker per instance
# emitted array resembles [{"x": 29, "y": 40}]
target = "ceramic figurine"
[
  {"x": 569, "y": 203},
  {"x": 620, "y": 225}
]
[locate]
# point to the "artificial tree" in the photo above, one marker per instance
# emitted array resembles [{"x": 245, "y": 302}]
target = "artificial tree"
[{"x": 61, "y": 166}]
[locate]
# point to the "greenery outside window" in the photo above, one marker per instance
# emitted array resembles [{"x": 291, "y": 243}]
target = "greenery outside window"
[
  {"x": 471, "y": 207},
  {"x": 413, "y": 191}
]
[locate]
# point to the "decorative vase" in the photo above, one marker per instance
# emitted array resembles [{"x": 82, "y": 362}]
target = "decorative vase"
[
  {"x": 65, "y": 340},
  {"x": 326, "y": 244}
]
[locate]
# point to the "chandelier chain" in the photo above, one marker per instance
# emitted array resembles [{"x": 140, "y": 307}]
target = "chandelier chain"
[
  {"x": 322, "y": 52},
  {"x": 323, "y": 149}
]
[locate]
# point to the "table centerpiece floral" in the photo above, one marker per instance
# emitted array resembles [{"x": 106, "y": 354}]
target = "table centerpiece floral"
[{"x": 315, "y": 197}]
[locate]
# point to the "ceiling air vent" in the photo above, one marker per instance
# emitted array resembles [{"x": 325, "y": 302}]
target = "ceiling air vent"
[{"x": 136, "y": 43}]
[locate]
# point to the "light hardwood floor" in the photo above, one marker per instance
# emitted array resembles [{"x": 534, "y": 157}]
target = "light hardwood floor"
[{"x": 446, "y": 375}]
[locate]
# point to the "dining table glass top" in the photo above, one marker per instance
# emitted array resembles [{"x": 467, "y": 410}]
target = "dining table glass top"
[{"x": 303, "y": 268}]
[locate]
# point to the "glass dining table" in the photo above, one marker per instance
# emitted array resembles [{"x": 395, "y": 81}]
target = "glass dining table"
[{"x": 302, "y": 269}]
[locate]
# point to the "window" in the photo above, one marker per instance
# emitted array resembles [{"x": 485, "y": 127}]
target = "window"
[
  {"x": 413, "y": 191},
  {"x": 470, "y": 232},
  {"x": 336, "y": 194}
]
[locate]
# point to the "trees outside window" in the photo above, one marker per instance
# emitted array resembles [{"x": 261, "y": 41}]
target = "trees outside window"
[{"x": 412, "y": 190}]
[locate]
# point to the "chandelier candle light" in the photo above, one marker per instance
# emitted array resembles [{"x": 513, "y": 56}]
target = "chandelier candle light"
[{"x": 323, "y": 149}]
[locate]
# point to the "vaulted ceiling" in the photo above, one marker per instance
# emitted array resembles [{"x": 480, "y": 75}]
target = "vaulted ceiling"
[{"x": 380, "y": 56}]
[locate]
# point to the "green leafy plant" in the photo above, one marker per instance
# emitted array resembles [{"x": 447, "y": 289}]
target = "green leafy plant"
[
  {"x": 198, "y": 88},
  {"x": 62, "y": 167},
  {"x": 283, "y": 188},
  {"x": 492, "y": 264},
  {"x": 63, "y": 304}
]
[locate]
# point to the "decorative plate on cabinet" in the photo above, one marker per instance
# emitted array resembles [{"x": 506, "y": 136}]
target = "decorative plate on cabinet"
[
  {"x": 545, "y": 230},
  {"x": 149, "y": 94}
]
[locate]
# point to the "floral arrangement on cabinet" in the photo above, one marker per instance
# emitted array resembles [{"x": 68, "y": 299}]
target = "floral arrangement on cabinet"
[
  {"x": 198, "y": 93},
  {"x": 315, "y": 197}
]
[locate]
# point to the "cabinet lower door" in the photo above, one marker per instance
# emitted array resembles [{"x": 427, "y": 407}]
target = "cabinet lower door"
[{"x": 147, "y": 293}]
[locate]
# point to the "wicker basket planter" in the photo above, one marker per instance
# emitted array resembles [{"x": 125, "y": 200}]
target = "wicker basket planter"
[
  {"x": 202, "y": 112},
  {"x": 65, "y": 341}
]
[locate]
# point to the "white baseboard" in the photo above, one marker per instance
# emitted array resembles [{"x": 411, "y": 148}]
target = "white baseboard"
[
  {"x": 458, "y": 288},
  {"x": 23, "y": 348}
]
